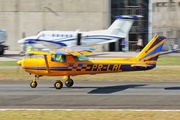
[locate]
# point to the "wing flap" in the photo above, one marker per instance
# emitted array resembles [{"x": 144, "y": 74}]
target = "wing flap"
[{"x": 78, "y": 50}]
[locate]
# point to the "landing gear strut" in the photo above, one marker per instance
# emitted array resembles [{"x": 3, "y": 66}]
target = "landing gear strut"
[
  {"x": 33, "y": 84},
  {"x": 68, "y": 82}
]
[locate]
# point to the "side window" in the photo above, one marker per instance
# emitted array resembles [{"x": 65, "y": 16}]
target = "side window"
[
  {"x": 63, "y": 58},
  {"x": 58, "y": 58}
]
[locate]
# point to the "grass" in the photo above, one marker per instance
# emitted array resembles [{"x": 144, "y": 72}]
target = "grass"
[
  {"x": 157, "y": 74},
  {"x": 8, "y": 63},
  {"x": 88, "y": 115},
  {"x": 168, "y": 61}
]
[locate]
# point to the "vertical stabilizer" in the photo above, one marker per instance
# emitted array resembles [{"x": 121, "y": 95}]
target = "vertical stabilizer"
[
  {"x": 122, "y": 25},
  {"x": 152, "y": 50}
]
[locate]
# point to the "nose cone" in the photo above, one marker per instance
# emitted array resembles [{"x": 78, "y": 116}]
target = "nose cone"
[
  {"x": 19, "y": 62},
  {"x": 27, "y": 39}
]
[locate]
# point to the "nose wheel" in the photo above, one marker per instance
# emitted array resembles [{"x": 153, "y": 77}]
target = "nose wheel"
[{"x": 33, "y": 84}]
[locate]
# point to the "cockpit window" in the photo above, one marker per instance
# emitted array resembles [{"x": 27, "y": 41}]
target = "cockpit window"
[
  {"x": 80, "y": 58},
  {"x": 58, "y": 58}
]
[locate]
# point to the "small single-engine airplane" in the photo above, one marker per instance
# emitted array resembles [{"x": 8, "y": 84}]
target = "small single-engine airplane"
[
  {"x": 71, "y": 61},
  {"x": 60, "y": 39}
]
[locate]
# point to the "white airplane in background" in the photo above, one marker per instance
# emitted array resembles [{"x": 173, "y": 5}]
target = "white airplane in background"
[{"x": 53, "y": 39}]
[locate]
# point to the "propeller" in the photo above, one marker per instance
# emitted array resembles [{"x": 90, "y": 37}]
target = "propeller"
[{"x": 19, "y": 62}]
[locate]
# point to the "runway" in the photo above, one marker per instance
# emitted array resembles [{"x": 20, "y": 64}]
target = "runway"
[{"x": 90, "y": 95}]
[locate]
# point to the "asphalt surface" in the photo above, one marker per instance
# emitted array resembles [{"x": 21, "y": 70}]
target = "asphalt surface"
[{"x": 90, "y": 95}]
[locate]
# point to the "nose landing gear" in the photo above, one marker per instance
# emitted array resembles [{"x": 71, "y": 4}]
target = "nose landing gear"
[{"x": 33, "y": 84}]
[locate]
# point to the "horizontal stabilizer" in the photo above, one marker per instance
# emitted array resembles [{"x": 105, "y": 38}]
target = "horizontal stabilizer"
[{"x": 140, "y": 66}]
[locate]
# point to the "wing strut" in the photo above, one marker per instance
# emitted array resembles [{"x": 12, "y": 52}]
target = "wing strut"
[{"x": 47, "y": 65}]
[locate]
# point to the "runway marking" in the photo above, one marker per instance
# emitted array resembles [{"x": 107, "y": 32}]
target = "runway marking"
[{"x": 91, "y": 110}]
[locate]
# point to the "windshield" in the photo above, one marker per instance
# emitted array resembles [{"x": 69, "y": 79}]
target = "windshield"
[{"x": 80, "y": 58}]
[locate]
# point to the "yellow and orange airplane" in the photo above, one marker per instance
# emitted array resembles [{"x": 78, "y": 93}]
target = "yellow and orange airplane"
[{"x": 71, "y": 61}]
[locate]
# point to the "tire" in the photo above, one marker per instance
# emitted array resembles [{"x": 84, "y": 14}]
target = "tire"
[
  {"x": 58, "y": 84},
  {"x": 33, "y": 85},
  {"x": 69, "y": 83}
]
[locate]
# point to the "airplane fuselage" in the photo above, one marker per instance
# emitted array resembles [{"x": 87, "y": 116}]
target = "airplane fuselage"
[
  {"x": 72, "y": 67},
  {"x": 61, "y": 39}
]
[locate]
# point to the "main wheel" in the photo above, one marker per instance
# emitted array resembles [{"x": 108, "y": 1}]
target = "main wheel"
[
  {"x": 33, "y": 85},
  {"x": 58, "y": 84},
  {"x": 69, "y": 83}
]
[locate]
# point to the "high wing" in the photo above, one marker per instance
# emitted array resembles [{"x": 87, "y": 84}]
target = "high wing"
[{"x": 76, "y": 50}]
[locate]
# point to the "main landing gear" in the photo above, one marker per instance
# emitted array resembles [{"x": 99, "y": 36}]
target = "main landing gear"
[
  {"x": 58, "y": 84},
  {"x": 68, "y": 82}
]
